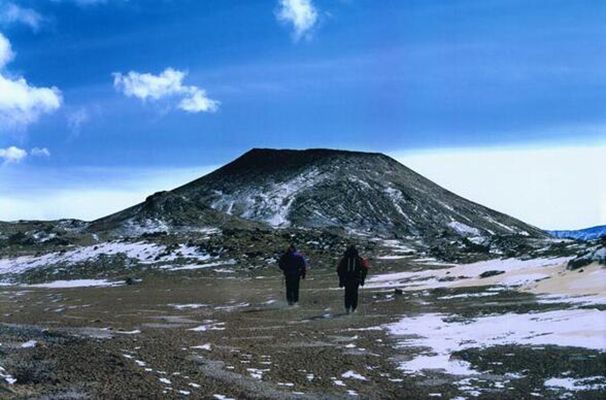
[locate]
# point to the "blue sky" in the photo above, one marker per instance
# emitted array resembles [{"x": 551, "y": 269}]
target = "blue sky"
[{"x": 119, "y": 91}]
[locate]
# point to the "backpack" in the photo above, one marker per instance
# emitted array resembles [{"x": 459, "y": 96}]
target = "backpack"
[
  {"x": 353, "y": 265},
  {"x": 353, "y": 268}
]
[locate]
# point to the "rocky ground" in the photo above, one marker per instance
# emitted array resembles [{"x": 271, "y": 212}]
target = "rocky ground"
[
  {"x": 198, "y": 337},
  {"x": 424, "y": 330}
]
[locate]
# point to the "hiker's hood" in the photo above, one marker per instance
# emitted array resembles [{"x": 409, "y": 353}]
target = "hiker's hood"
[{"x": 351, "y": 251}]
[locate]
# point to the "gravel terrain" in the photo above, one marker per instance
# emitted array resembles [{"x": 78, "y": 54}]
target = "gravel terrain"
[{"x": 216, "y": 334}]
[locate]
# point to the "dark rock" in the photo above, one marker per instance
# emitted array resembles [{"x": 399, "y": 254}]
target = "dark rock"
[
  {"x": 579, "y": 262},
  {"x": 490, "y": 273}
]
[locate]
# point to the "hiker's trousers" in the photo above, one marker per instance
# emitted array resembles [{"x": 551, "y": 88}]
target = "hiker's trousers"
[
  {"x": 351, "y": 295},
  {"x": 292, "y": 289}
]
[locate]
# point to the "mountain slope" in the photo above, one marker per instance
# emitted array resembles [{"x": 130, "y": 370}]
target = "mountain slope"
[
  {"x": 167, "y": 212},
  {"x": 320, "y": 188},
  {"x": 594, "y": 232}
]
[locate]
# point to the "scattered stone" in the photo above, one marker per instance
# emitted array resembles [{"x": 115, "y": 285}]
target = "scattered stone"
[{"x": 487, "y": 274}]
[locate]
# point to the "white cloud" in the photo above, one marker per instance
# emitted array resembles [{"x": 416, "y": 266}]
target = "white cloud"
[
  {"x": 148, "y": 86},
  {"x": 549, "y": 187},
  {"x": 12, "y": 13},
  {"x": 168, "y": 84},
  {"x": 197, "y": 101},
  {"x": 6, "y": 51},
  {"x": 302, "y": 14},
  {"x": 20, "y": 103},
  {"x": 40, "y": 152},
  {"x": 76, "y": 119},
  {"x": 12, "y": 154}
]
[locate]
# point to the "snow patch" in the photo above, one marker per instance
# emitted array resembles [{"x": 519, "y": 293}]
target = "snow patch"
[
  {"x": 257, "y": 373},
  {"x": 467, "y": 295},
  {"x": 522, "y": 279},
  {"x": 441, "y": 336},
  {"x": 222, "y": 397},
  {"x": 77, "y": 283},
  {"x": 137, "y": 228},
  {"x": 353, "y": 375},
  {"x": 197, "y": 266},
  {"x": 391, "y": 257},
  {"x": 514, "y": 270},
  {"x": 463, "y": 229},
  {"x": 29, "y": 344},
  {"x": 205, "y": 346},
  {"x": 396, "y": 197},
  {"x": 209, "y": 325},
  {"x": 7, "y": 377},
  {"x": 585, "y": 300},
  {"x": 572, "y": 384},
  {"x": 142, "y": 252},
  {"x": 271, "y": 203},
  {"x": 192, "y": 306}
]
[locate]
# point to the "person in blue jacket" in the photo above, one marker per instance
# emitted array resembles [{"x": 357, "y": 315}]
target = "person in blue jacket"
[{"x": 293, "y": 265}]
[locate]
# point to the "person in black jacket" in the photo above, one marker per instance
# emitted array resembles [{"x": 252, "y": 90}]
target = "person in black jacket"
[
  {"x": 352, "y": 270},
  {"x": 293, "y": 265}
]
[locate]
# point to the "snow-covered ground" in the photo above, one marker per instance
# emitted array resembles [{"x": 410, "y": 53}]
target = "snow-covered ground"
[
  {"x": 135, "y": 227},
  {"x": 393, "y": 249},
  {"x": 440, "y": 336},
  {"x": 434, "y": 338},
  {"x": 515, "y": 272},
  {"x": 197, "y": 266},
  {"x": 575, "y": 385},
  {"x": 77, "y": 283},
  {"x": 192, "y": 306},
  {"x": 395, "y": 246},
  {"x": 143, "y": 252},
  {"x": 8, "y": 378},
  {"x": 209, "y": 325}
]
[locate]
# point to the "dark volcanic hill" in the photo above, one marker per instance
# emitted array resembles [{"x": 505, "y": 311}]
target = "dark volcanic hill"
[{"x": 319, "y": 188}]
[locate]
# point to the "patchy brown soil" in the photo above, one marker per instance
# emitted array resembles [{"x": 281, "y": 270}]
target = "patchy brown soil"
[{"x": 249, "y": 343}]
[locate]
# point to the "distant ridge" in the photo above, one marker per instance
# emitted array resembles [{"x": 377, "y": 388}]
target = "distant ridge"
[{"x": 595, "y": 232}]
